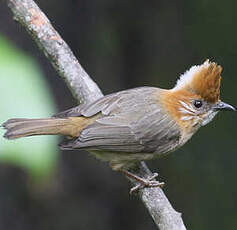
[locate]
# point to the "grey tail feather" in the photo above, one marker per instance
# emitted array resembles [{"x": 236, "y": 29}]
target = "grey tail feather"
[{"x": 21, "y": 127}]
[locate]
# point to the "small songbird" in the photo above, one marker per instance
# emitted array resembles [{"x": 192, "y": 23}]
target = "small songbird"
[{"x": 138, "y": 124}]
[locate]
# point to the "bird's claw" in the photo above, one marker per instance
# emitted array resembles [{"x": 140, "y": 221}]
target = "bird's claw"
[{"x": 149, "y": 182}]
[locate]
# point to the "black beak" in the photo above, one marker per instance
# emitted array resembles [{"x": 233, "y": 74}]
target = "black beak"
[{"x": 222, "y": 106}]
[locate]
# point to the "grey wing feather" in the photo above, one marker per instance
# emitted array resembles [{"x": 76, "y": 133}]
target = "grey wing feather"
[
  {"x": 109, "y": 138},
  {"x": 131, "y": 122},
  {"x": 107, "y": 104},
  {"x": 72, "y": 112},
  {"x": 104, "y": 105}
]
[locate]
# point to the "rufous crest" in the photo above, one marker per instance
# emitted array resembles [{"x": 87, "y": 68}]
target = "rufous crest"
[{"x": 203, "y": 80}]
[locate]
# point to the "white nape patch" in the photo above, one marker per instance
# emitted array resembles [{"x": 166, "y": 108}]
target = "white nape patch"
[{"x": 187, "y": 77}]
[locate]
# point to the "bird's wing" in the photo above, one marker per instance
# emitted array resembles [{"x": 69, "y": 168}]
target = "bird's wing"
[
  {"x": 131, "y": 121},
  {"x": 109, "y": 103}
]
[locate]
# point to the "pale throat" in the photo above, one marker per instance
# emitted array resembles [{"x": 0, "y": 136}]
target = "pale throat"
[{"x": 209, "y": 117}]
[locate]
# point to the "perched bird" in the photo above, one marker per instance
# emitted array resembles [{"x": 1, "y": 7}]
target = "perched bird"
[{"x": 136, "y": 124}]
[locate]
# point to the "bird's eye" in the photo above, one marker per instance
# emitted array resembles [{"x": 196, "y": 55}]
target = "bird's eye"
[{"x": 197, "y": 103}]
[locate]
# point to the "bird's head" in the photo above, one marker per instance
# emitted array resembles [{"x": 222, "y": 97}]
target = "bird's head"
[{"x": 195, "y": 100}]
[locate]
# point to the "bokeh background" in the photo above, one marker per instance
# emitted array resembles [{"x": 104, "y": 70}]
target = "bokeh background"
[{"x": 121, "y": 44}]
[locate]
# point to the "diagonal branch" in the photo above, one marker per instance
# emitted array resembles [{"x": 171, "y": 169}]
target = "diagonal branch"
[
  {"x": 55, "y": 49},
  {"x": 85, "y": 90}
]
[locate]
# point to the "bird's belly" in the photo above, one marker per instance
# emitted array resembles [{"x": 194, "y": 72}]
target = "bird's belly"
[{"x": 121, "y": 159}]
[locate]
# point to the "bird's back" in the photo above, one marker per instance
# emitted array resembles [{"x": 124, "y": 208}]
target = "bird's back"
[{"x": 131, "y": 121}]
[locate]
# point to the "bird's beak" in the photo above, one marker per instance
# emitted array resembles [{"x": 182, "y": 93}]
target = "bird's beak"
[{"x": 222, "y": 106}]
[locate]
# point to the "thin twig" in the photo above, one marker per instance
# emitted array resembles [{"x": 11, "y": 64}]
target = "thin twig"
[{"x": 28, "y": 14}]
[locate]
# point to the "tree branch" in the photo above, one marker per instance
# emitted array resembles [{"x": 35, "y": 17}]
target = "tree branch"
[
  {"x": 85, "y": 90},
  {"x": 55, "y": 49}
]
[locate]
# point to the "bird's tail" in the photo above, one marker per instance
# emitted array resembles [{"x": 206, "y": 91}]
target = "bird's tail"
[{"x": 21, "y": 127}]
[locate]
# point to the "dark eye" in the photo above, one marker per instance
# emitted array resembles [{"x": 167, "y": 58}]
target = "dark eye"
[{"x": 197, "y": 103}]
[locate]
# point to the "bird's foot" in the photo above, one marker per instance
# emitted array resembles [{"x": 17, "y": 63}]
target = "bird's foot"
[{"x": 149, "y": 182}]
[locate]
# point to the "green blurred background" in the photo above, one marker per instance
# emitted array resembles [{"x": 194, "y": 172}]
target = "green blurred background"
[{"x": 121, "y": 44}]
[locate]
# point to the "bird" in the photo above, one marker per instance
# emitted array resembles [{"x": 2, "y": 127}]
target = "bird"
[{"x": 135, "y": 125}]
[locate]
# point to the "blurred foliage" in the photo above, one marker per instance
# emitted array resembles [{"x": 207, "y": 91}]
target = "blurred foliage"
[{"x": 24, "y": 93}]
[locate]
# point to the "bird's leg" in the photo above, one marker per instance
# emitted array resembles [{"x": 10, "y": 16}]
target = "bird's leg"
[{"x": 149, "y": 182}]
